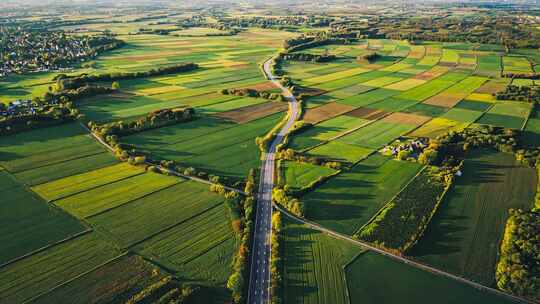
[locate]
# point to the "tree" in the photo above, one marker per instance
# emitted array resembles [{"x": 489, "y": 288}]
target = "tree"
[{"x": 115, "y": 85}]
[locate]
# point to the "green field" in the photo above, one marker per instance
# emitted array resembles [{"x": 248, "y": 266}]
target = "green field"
[
  {"x": 325, "y": 131},
  {"x": 229, "y": 151},
  {"x": 29, "y": 223},
  {"x": 336, "y": 150},
  {"x": 298, "y": 175},
  {"x": 376, "y": 135},
  {"x": 373, "y": 278},
  {"x": 349, "y": 200},
  {"x": 200, "y": 248},
  {"x": 465, "y": 234},
  {"x": 127, "y": 275},
  {"x": 37, "y": 274},
  {"x": 103, "y": 198},
  {"x": 313, "y": 266},
  {"x": 156, "y": 212}
]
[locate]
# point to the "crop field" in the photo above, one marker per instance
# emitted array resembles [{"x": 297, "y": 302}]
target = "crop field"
[
  {"x": 298, "y": 175},
  {"x": 514, "y": 64},
  {"x": 369, "y": 276},
  {"x": 465, "y": 234},
  {"x": 225, "y": 150},
  {"x": 438, "y": 126},
  {"x": 156, "y": 212},
  {"x": 325, "y": 130},
  {"x": 39, "y": 273},
  {"x": 86, "y": 181},
  {"x": 313, "y": 266},
  {"x": 114, "y": 281},
  {"x": 337, "y": 150},
  {"x": 488, "y": 65},
  {"x": 462, "y": 115},
  {"x": 377, "y": 134},
  {"x": 48, "y": 146},
  {"x": 349, "y": 200},
  {"x": 102, "y": 198},
  {"x": 200, "y": 248},
  {"x": 29, "y": 222}
]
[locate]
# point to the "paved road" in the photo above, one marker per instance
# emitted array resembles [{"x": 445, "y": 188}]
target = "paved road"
[{"x": 259, "y": 282}]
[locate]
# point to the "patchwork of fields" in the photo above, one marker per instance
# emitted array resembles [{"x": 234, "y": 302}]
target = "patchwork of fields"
[{"x": 78, "y": 221}]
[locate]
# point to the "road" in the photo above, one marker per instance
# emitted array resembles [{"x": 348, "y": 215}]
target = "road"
[{"x": 259, "y": 282}]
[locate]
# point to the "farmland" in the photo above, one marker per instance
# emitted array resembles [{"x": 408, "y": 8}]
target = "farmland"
[
  {"x": 142, "y": 172},
  {"x": 348, "y": 201},
  {"x": 465, "y": 234}
]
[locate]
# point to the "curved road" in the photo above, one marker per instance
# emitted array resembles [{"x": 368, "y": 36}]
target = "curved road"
[{"x": 259, "y": 281}]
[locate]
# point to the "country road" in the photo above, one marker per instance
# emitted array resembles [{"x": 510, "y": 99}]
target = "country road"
[{"x": 259, "y": 282}]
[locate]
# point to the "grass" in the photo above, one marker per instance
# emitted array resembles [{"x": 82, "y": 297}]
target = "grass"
[
  {"x": 312, "y": 265},
  {"x": 392, "y": 104},
  {"x": 298, "y": 175},
  {"x": 376, "y": 135},
  {"x": 156, "y": 212},
  {"x": 532, "y": 131},
  {"x": 114, "y": 194},
  {"x": 464, "y": 236},
  {"x": 29, "y": 223},
  {"x": 336, "y": 75},
  {"x": 43, "y": 271},
  {"x": 370, "y": 276},
  {"x": 382, "y": 81},
  {"x": 86, "y": 181},
  {"x": 488, "y": 65},
  {"x": 200, "y": 248},
  {"x": 324, "y": 131},
  {"x": 515, "y": 64},
  {"x": 349, "y": 200},
  {"x": 336, "y": 150}
]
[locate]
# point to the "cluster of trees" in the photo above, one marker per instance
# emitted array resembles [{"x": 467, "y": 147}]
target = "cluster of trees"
[
  {"x": 500, "y": 28},
  {"x": 280, "y": 23},
  {"x": 275, "y": 260},
  {"x": 292, "y": 155},
  {"x": 253, "y": 93},
  {"x": 306, "y": 42},
  {"x": 401, "y": 223},
  {"x": 518, "y": 270},
  {"x": 40, "y": 115},
  {"x": 24, "y": 50},
  {"x": 520, "y": 75},
  {"x": 369, "y": 57},
  {"x": 77, "y": 93},
  {"x": 166, "y": 291},
  {"x": 293, "y": 205},
  {"x": 449, "y": 149},
  {"x": 309, "y": 57},
  {"x": 64, "y": 82},
  {"x": 520, "y": 93},
  {"x": 242, "y": 226}
]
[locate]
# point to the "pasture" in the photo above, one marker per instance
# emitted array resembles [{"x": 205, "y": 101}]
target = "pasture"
[{"x": 465, "y": 233}]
